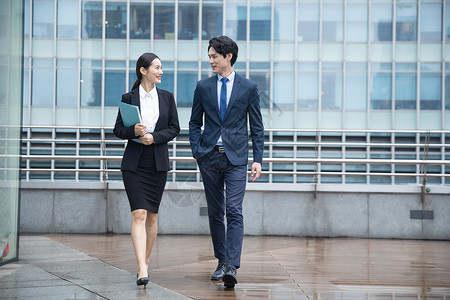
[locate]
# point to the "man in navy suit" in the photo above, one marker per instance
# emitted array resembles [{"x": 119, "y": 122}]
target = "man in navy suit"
[{"x": 226, "y": 102}]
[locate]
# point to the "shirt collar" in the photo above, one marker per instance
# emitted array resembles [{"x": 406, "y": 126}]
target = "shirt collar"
[
  {"x": 143, "y": 93},
  {"x": 230, "y": 77}
]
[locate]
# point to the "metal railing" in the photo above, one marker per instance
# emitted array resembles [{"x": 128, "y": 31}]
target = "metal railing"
[{"x": 79, "y": 153}]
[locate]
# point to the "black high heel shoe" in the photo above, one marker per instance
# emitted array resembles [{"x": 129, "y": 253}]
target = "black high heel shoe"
[{"x": 141, "y": 281}]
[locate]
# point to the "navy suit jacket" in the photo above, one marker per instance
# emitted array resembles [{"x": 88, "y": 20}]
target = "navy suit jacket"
[
  {"x": 242, "y": 108},
  {"x": 166, "y": 129}
]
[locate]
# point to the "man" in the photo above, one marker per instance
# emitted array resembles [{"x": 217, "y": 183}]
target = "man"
[{"x": 227, "y": 102}]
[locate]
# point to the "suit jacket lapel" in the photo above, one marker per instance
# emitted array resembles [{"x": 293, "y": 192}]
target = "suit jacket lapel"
[
  {"x": 214, "y": 94},
  {"x": 234, "y": 93}
]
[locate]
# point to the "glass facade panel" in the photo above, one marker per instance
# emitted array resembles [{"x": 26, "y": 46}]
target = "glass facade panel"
[
  {"x": 308, "y": 86},
  {"x": 140, "y": 19},
  {"x": 284, "y": 23},
  {"x": 42, "y": 82},
  {"x": 430, "y": 86},
  {"x": 262, "y": 79},
  {"x": 333, "y": 23},
  {"x": 91, "y": 87},
  {"x": 188, "y": 22},
  {"x": 331, "y": 86},
  {"x": 43, "y": 12},
  {"x": 91, "y": 26},
  {"x": 356, "y": 25},
  {"x": 406, "y": 24},
  {"x": 381, "y": 86},
  {"x": 283, "y": 90},
  {"x": 67, "y": 19},
  {"x": 356, "y": 87},
  {"x": 236, "y": 22},
  {"x": 447, "y": 22},
  {"x": 114, "y": 86},
  {"x": 186, "y": 83},
  {"x": 381, "y": 23},
  {"x": 308, "y": 22},
  {"x": 447, "y": 86},
  {"x": 405, "y": 86},
  {"x": 431, "y": 23},
  {"x": 168, "y": 81},
  {"x": 164, "y": 21},
  {"x": 212, "y": 18},
  {"x": 66, "y": 87},
  {"x": 260, "y": 23},
  {"x": 116, "y": 20}
]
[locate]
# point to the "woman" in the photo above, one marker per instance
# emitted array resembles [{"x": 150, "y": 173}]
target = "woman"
[{"x": 145, "y": 165}]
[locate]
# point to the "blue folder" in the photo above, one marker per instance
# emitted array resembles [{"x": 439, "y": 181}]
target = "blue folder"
[{"x": 130, "y": 115}]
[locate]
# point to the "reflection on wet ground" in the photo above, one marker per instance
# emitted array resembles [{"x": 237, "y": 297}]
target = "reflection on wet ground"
[{"x": 288, "y": 267}]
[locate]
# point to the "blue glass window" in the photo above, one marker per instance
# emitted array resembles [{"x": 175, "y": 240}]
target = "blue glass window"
[
  {"x": 284, "y": 23},
  {"x": 431, "y": 23},
  {"x": 430, "y": 86},
  {"x": 308, "y": 86},
  {"x": 67, "y": 19},
  {"x": 42, "y": 82},
  {"x": 332, "y": 86},
  {"x": 405, "y": 86},
  {"x": 283, "y": 87},
  {"x": 356, "y": 23},
  {"x": 381, "y": 86},
  {"x": 43, "y": 12},
  {"x": 406, "y": 25},
  {"x": 168, "y": 81},
  {"x": 164, "y": 21},
  {"x": 260, "y": 23},
  {"x": 237, "y": 22},
  {"x": 91, "y": 87},
  {"x": 114, "y": 86},
  {"x": 262, "y": 79},
  {"x": 212, "y": 17},
  {"x": 356, "y": 86},
  {"x": 187, "y": 22},
  {"x": 447, "y": 86},
  {"x": 447, "y": 22},
  {"x": 308, "y": 22},
  {"x": 140, "y": 17},
  {"x": 381, "y": 23},
  {"x": 333, "y": 23},
  {"x": 186, "y": 83},
  {"x": 116, "y": 20},
  {"x": 91, "y": 20},
  {"x": 67, "y": 86}
]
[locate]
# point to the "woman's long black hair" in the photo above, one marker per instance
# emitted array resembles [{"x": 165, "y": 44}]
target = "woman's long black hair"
[{"x": 145, "y": 60}]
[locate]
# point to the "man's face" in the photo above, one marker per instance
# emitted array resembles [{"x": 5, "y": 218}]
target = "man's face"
[{"x": 219, "y": 64}]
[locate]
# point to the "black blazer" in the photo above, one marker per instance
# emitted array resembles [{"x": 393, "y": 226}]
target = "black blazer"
[{"x": 166, "y": 129}]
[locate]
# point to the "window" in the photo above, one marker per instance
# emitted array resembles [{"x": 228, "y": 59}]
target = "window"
[
  {"x": 308, "y": 22},
  {"x": 164, "y": 22},
  {"x": 262, "y": 78},
  {"x": 332, "y": 86},
  {"x": 211, "y": 21},
  {"x": 381, "y": 23},
  {"x": 283, "y": 86},
  {"x": 447, "y": 21},
  {"x": 116, "y": 20},
  {"x": 42, "y": 82},
  {"x": 356, "y": 23},
  {"x": 236, "y": 22},
  {"x": 406, "y": 25},
  {"x": 381, "y": 86},
  {"x": 43, "y": 12},
  {"x": 284, "y": 23},
  {"x": 308, "y": 86},
  {"x": 405, "y": 86},
  {"x": 187, "y": 81},
  {"x": 356, "y": 86},
  {"x": 431, "y": 22},
  {"x": 140, "y": 14},
  {"x": 430, "y": 86},
  {"x": 114, "y": 86},
  {"x": 447, "y": 86},
  {"x": 91, "y": 83},
  {"x": 66, "y": 82},
  {"x": 333, "y": 23},
  {"x": 187, "y": 22},
  {"x": 67, "y": 19},
  {"x": 91, "y": 20},
  {"x": 260, "y": 23}
]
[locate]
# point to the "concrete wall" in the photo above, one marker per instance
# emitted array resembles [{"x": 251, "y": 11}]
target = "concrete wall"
[{"x": 337, "y": 211}]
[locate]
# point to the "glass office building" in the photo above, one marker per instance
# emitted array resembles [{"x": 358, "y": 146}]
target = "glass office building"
[
  {"x": 381, "y": 67},
  {"x": 327, "y": 64}
]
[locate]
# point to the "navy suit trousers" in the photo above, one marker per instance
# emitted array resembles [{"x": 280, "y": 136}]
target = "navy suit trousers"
[{"x": 217, "y": 173}]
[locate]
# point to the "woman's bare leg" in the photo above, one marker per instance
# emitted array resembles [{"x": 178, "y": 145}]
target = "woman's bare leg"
[
  {"x": 151, "y": 226},
  {"x": 139, "y": 238}
]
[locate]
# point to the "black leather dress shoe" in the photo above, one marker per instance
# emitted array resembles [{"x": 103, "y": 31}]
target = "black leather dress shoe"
[
  {"x": 218, "y": 273},
  {"x": 229, "y": 278}
]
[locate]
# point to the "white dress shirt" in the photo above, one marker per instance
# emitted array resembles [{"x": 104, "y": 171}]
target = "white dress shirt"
[
  {"x": 149, "y": 108},
  {"x": 229, "y": 90}
]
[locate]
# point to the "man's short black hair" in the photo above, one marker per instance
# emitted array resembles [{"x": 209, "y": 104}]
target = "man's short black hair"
[{"x": 224, "y": 45}]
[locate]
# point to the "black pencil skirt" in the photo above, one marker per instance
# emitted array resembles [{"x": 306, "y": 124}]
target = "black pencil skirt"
[{"x": 145, "y": 187}]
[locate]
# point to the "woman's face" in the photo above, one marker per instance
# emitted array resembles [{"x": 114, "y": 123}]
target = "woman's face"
[{"x": 153, "y": 73}]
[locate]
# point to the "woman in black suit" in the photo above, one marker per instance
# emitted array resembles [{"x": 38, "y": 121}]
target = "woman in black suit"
[{"x": 145, "y": 165}]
